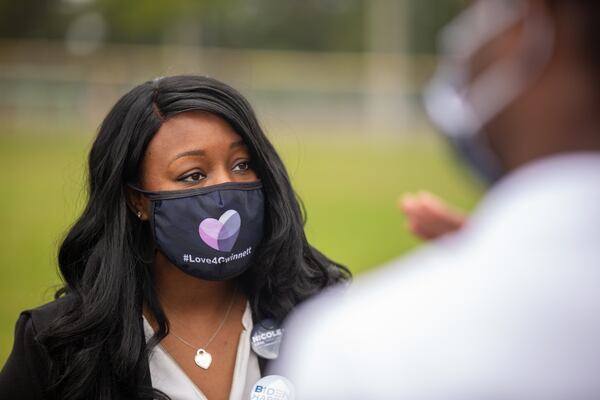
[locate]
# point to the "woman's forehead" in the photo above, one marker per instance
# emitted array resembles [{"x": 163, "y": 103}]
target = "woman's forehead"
[{"x": 193, "y": 131}]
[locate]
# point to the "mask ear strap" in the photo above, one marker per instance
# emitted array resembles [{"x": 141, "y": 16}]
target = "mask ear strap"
[
  {"x": 446, "y": 98},
  {"x": 138, "y": 189},
  {"x": 463, "y": 108},
  {"x": 132, "y": 207},
  {"x": 508, "y": 79},
  {"x": 467, "y": 33},
  {"x": 176, "y": 194}
]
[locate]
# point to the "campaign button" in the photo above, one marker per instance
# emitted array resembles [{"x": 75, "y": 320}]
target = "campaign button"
[
  {"x": 266, "y": 339},
  {"x": 273, "y": 387}
]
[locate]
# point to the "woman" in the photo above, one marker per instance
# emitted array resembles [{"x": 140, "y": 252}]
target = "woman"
[{"x": 191, "y": 235}]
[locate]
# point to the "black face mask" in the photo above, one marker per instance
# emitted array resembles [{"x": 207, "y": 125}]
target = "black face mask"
[{"x": 212, "y": 232}]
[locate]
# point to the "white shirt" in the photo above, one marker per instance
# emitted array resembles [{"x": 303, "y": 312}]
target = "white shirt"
[
  {"x": 168, "y": 376},
  {"x": 509, "y": 308}
]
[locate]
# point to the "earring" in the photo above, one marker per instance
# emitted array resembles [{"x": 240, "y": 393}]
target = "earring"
[{"x": 139, "y": 214}]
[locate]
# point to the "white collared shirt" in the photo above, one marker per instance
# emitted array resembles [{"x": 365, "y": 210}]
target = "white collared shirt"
[
  {"x": 168, "y": 377},
  {"x": 509, "y": 308}
]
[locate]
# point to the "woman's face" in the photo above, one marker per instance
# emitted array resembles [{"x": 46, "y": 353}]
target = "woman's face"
[{"x": 192, "y": 150}]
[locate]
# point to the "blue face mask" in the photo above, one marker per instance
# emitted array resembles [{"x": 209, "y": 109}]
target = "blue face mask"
[
  {"x": 212, "y": 232},
  {"x": 461, "y": 105}
]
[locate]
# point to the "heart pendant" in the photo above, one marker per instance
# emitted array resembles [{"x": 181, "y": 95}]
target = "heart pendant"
[{"x": 203, "y": 359}]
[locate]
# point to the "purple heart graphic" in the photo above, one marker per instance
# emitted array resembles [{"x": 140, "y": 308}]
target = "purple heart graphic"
[{"x": 221, "y": 234}]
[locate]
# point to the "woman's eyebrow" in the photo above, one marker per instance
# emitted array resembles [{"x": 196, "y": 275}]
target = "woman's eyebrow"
[
  {"x": 188, "y": 153},
  {"x": 238, "y": 143}
]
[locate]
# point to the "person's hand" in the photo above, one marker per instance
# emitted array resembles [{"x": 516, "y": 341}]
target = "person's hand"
[{"x": 429, "y": 217}]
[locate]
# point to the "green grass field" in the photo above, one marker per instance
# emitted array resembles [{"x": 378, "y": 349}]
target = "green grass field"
[{"x": 349, "y": 185}]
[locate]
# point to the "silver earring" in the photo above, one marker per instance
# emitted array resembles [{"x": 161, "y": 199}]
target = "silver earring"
[{"x": 139, "y": 214}]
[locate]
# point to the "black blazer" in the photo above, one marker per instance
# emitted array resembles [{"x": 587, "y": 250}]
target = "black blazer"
[{"x": 24, "y": 376}]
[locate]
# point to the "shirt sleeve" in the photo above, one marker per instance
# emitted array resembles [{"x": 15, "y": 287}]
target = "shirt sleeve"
[{"x": 22, "y": 377}]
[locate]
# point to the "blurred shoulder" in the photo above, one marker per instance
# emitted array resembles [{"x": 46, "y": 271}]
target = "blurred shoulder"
[
  {"x": 372, "y": 326},
  {"x": 25, "y": 373},
  {"x": 372, "y": 295},
  {"x": 45, "y": 314},
  {"x": 405, "y": 277}
]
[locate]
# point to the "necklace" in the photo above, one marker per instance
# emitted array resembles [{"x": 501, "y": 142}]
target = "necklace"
[{"x": 203, "y": 358}]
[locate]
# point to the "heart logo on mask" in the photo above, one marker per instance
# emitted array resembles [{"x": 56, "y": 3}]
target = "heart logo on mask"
[{"x": 221, "y": 234}]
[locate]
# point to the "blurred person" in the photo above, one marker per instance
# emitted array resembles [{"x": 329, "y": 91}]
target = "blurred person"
[
  {"x": 191, "y": 238},
  {"x": 508, "y": 306}
]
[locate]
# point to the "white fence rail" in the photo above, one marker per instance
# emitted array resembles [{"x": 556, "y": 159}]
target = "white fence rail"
[{"x": 41, "y": 82}]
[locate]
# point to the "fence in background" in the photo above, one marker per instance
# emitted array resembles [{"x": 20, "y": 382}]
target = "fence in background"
[{"x": 42, "y": 83}]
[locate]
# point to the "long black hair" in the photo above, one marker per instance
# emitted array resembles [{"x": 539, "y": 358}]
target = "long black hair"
[{"x": 97, "y": 346}]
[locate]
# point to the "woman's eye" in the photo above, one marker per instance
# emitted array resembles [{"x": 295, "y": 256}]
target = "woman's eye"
[
  {"x": 243, "y": 166},
  {"x": 194, "y": 177}
]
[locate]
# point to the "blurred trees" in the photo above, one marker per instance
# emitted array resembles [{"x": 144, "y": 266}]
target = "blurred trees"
[
  {"x": 31, "y": 19},
  {"x": 322, "y": 25}
]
